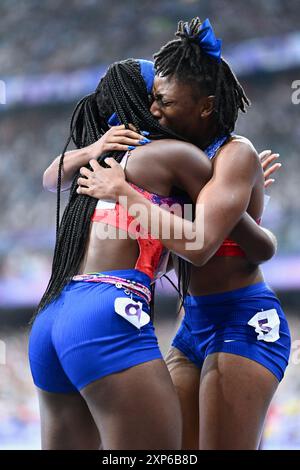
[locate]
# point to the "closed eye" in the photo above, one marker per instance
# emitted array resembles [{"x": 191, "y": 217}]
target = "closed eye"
[{"x": 159, "y": 99}]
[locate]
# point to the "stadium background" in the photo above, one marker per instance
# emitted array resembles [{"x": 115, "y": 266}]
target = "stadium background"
[{"x": 53, "y": 52}]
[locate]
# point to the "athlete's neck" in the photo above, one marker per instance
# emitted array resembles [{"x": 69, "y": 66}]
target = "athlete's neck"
[{"x": 207, "y": 135}]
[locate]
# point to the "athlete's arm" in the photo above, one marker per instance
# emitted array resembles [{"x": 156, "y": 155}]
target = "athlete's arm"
[
  {"x": 258, "y": 243},
  {"x": 190, "y": 167},
  {"x": 252, "y": 240},
  {"x": 225, "y": 198},
  {"x": 116, "y": 139}
]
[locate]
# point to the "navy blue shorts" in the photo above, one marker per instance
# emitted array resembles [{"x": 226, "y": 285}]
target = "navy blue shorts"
[
  {"x": 79, "y": 337},
  {"x": 248, "y": 322}
]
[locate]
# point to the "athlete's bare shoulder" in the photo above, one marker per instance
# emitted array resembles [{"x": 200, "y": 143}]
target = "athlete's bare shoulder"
[
  {"x": 180, "y": 162},
  {"x": 171, "y": 151},
  {"x": 236, "y": 158},
  {"x": 172, "y": 147},
  {"x": 241, "y": 142},
  {"x": 238, "y": 147}
]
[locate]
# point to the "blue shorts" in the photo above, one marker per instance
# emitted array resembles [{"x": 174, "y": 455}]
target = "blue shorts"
[
  {"x": 79, "y": 337},
  {"x": 248, "y": 322}
]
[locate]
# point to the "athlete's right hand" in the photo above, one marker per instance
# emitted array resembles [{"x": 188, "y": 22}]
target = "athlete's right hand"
[
  {"x": 102, "y": 183},
  {"x": 118, "y": 138}
]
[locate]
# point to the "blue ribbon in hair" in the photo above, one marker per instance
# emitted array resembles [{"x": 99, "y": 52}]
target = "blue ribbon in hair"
[
  {"x": 208, "y": 41},
  {"x": 148, "y": 73}
]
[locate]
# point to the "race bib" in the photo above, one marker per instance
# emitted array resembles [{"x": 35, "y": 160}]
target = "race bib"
[
  {"x": 266, "y": 324},
  {"x": 132, "y": 311}
]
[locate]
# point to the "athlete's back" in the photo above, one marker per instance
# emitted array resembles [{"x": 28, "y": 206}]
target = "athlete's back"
[{"x": 158, "y": 168}]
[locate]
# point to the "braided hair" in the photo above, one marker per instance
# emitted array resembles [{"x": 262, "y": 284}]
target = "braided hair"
[
  {"x": 121, "y": 90},
  {"x": 184, "y": 59}
]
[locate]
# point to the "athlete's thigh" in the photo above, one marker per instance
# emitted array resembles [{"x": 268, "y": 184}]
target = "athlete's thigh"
[
  {"x": 66, "y": 422},
  {"x": 186, "y": 379},
  {"x": 235, "y": 393},
  {"x": 137, "y": 408}
]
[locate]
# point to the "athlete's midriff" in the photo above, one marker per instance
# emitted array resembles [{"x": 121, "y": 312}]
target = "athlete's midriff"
[{"x": 221, "y": 274}]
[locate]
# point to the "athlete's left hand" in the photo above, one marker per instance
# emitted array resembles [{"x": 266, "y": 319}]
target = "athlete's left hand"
[
  {"x": 267, "y": 158},
  {"x": 102, "y": 183}
]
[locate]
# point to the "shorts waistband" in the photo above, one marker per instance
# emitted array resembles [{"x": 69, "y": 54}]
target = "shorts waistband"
[
  {"x": 233, "y": 295},
  {"x": 131, "y": 280}
]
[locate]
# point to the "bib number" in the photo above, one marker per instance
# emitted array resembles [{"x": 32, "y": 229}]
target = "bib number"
[
  {"x": 132, "y": 311},
  {"x": 266, "y": 324}
]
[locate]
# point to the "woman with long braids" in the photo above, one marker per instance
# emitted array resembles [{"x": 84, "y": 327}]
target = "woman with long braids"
[
  {"x": 233, "y": 345},
  {"x": 93, "y": 353}
]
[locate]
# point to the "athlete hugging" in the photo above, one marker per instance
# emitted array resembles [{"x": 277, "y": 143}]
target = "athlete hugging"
[{"x": 93, "y": 351}]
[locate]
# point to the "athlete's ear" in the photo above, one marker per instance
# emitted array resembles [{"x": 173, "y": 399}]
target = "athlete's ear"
[{"x": 207, "y": 106}]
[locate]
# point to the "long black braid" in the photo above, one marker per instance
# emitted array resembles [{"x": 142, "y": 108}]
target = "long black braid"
[
  {"x": 184, "y": 59},
  {"x": 121, "y": 90}
]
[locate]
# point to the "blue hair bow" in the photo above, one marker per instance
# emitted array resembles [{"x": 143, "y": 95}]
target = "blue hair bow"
[
  {"x": 148, "y": 73},
  {"x": 208, "y": 41}
]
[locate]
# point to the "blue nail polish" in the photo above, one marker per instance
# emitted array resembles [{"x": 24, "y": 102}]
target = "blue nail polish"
[
  {"x": 144, "y": 141},
  {"x": 131, "y": 147},
  {"x": 145, "y": 133}
]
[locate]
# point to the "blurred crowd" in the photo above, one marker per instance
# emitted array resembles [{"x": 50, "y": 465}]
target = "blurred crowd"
[
  {"x": 19, "y": 415},
  {"x": 273, "y": 122},
  {"x": 55, "y": 35}
]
